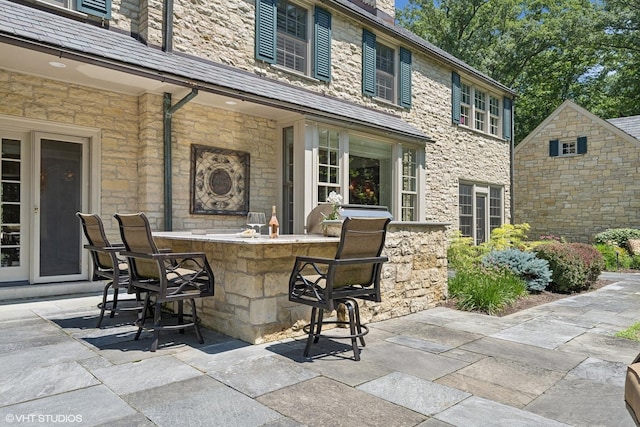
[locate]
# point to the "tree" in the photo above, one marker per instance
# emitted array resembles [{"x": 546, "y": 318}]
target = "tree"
[{"x": 546, "y": 50}]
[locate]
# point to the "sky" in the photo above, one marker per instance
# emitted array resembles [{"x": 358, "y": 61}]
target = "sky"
[{"x": 401, "y": 3}]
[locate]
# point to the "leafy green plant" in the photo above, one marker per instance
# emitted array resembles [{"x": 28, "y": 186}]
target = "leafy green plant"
[
  {"x": 508, "y": 236},
  {"x": 487, "y": 290},
  {"x": 462, "y": 254},
  {"x": 533, "y": 270},
  {"x": 631, "y": 333},
  {"x": 575, "y": 266},
  {"x": 614, "y": 257},
  {"x": 617, "y": 236}
]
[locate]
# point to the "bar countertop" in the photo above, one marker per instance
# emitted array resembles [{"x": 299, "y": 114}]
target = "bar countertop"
[{"x": 235, "y": 237}]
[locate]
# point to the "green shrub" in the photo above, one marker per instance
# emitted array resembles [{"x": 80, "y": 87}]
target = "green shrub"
[
  {"x": 486, "y": 290},
  {"x": 533, "y": 270},
  {"x": 462, "y": 254},
  {"x": 615, "y": 257},
  {"x": 618, "y": 236},
  {"x": 575, "y": 266},
  {"x": 508, "y": 236}
]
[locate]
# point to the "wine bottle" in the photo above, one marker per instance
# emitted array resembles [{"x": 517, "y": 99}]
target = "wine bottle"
[{"x": 274, "y": 225}]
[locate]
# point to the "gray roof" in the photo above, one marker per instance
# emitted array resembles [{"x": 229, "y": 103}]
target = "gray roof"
[
  {"x": 630, "y": 125},
  {"x": 419, "y": 42},
  {"x": 40, "y": 30}
]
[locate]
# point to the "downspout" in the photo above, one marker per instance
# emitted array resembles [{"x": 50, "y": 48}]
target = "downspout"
[
  {"x": 168, "y": 112},
  {"x": 512, "y": 160},
  {"x": 167, "y": 26}
]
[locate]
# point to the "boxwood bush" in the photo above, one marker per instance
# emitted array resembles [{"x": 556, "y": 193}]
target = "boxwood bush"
[
  {"x": 575, "y": 266},
  {"x": 533, "y": 270},
  {"x": 618, "y": 236}
]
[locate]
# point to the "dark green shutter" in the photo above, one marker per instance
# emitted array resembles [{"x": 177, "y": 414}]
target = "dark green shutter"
[
  {"x": 266, "y": 21},
  {"x": 322, "y": 45},
  {"x": 582, "y": 145},
  {"x": 368, "y": 63},
  {"x": 553, "y": 148},
  {"x": 405, "y": 78},
  {"x": 507, "y": 117},
  {"x": 456, "y": 94},
  {"x": 101, "y": 8}
]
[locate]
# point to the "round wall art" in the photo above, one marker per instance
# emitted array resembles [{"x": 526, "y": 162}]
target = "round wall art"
[{"x": 219, "y": 181}]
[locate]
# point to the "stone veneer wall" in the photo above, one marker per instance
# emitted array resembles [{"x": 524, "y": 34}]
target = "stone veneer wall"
[
  {"x": 115, "y": 114},
  {"x": 251, "y": 289},
  {"x": 458, "y": 153},
  {"x": 132, "y": 149},
  {"x": 579, "y": 196}
]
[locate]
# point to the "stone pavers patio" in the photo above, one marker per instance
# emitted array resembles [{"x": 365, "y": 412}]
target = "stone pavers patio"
[{"x": 552, "y": 365}]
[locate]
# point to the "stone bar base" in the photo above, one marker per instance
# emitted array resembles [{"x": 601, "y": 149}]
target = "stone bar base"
[{"x": 252, "y": 276}]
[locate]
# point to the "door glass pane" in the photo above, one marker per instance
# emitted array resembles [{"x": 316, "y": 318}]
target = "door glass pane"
[
  {"x": 60, "y": 199},
  {"x": 10, "y": 203}
]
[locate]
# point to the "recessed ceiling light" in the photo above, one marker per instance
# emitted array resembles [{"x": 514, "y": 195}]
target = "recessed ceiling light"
[
  {"x": 57, "y": 64},
  {"x": 230, "y": 102}
]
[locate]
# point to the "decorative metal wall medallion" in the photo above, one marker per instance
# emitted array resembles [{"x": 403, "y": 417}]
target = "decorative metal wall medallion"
[{"x": 219, "y": 181}]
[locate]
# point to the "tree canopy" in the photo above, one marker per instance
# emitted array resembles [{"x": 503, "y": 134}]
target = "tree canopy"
[{"x": 546, "y": 50}]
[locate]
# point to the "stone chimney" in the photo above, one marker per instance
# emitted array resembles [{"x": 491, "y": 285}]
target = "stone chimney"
[{"x": 384, "y": 9}]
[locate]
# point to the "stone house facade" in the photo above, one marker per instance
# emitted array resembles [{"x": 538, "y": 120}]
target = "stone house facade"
[
  {"x": 577, "y": 175},
  {"x": 119, "y": 95}
]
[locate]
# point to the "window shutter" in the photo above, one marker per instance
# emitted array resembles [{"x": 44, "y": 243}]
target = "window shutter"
[
  {"x": 553, "y": 148},
  {"x": 456, "y": 94},
  {"x": 101, "y": 8},
  {"x": 322, "y": 45},
  {"x": 405, "y": 78},
  {"x": 368, "y": 63},
  {"x": 582, "y": 145},
  {"x": 266, "y": 21},
  {"x": 507, "y": 117}
]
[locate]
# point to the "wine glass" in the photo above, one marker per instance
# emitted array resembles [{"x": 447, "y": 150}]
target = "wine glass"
[{"x": 256, "y": 219}]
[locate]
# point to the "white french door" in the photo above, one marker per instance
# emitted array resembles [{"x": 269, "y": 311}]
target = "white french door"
[
  {"x": 59, "y": 189},
  {"x": 14, "y": 201}
]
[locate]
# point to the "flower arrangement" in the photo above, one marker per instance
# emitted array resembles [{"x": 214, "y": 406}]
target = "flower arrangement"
[{"x": 336, "y": 200}]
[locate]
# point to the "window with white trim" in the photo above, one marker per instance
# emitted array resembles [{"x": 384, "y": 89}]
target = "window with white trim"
[
  {"x": 409, "y": 184},
  {"x": 369, "y": 171},
  {"x": 568, "y": 148},
  {"x": 292, "y": 36},
  {"x": 385, "y": 72},
  {"x": 295, "y": 37},
  {"x": 465, "y": 104},
  {"x": 99, "y": 8},
  {"x": 328, "y": 163},
  {"x": 480, "y": 105},
  {"x": 494, "y": 115},
  {"x": 478, "y": 109},
  {"x": 480, "y": 210}
]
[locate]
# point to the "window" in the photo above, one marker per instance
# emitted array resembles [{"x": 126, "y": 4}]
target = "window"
[
  {"x": 479, "y": 109},
  {"x": 480, "y": 210},
  {"x": 494, "y": 115},
  {"x": 385, "y": 72},
  {"x": 367, "y": 171},
  {"x": 568, "y": 147},
  {"x": 409, "y": 184},
  {"x": 381, "y": 77},
  {"x": 100, "y": 8},
  {"x": 465, "y": 105},
  {"x": 286, "y": 36},
  {"x": 328, "y": 163},
  {"x": 291, "y": 50}
]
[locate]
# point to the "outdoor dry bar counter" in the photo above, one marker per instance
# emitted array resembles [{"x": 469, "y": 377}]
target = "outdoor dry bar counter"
[{"x": 252, "y": 277}]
